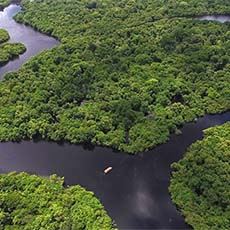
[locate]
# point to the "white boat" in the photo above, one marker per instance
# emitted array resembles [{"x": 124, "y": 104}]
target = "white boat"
[{"x": 107, "y": 170}]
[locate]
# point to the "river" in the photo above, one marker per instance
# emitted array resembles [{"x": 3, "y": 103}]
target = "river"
[
  {"x": 34, "y": 41},
  {"x": 135, "y": 193},
  {"x": 218, "y": 18}
]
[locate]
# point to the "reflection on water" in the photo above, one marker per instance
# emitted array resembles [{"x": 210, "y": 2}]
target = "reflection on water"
[
  {"x": 218, "y": 18},
  {"x": 34, "y": 41}
]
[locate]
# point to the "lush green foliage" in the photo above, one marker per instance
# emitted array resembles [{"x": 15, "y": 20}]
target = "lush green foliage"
[
  {"x": 9, "y": 51},
  {"x": 34, "y": 203},
  {"x": 4, "y": 36},
  {"x": 200, "y": 184},
  {"x": 126, "y": 74},
  {"x": 195, "y": 7},
  {"x": 4, "y": 3}
]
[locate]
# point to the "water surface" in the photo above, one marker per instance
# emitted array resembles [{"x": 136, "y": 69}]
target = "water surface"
[
  {"x": 135, "y": 193},
  {"x": 218, "y": 18},
  {"x": 34, "y": 41}
]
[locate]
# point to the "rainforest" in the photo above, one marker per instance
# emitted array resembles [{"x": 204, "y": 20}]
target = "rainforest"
[{"x": 124, "y": 77}]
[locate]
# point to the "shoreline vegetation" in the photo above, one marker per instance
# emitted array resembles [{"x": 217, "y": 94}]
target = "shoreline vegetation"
[
  {"x": 9, "y": 51},
  {"x": 119, "y": 83},
  {"x": 113, "y": 82},
  {"x": 4, "y": 3},
  {"x": 199, "y": 184},
  {"x": 33, "y": 202}
]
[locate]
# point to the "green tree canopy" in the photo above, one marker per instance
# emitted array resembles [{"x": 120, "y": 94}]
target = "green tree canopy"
[
  {"x": 30, "y": 202},
  {"x": 126, "y": 75},
  {"x": 9, "y": 51},
  {"x": 200, "y": 181}
]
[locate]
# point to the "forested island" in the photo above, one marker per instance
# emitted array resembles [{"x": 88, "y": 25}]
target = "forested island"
[
  {"x": 9, "y": 51},
  {"x": 30, "y": 202},
  {"x": 126, "y": 75},
  {"x": 200, "y": 183}
]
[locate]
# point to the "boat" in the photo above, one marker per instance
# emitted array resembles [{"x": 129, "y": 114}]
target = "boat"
[{"x": 107, "y": 170}]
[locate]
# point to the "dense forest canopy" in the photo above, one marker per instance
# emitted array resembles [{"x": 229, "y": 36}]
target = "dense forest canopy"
[
  {"x": 30, "y": 202},
  {"x": 200, "y": 184},
  {"x": 9, "y": 51},
  {"x": 127, "y": 73}
]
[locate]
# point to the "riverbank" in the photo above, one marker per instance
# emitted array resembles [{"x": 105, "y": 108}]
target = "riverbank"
[
  {"x": 113, "y": 84},
  {"x": 129, "y": 97},
  {"x": 66, "y": 208},
  {"x": 9, "y": 51},
  {"x": 34, "y": 42},
  {"x": 199, "y": 183},
  {"x": 4, "y": 3},
  {"x": 137, "y": 184}
]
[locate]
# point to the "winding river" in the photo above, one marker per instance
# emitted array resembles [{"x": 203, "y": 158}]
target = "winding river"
[
  {"x": 135, "y": 193},
  {"x": 34, "y": 41}
]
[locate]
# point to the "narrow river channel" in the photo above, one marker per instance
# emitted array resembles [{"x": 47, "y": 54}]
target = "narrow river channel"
[
  {"x": 135, "y": 193},
  {"x": 34, "y": 41}
]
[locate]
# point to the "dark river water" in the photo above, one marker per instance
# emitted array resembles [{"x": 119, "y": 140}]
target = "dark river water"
[
  {"x": 135, "y": 193},
  {"x": 34, "y": 41}
]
